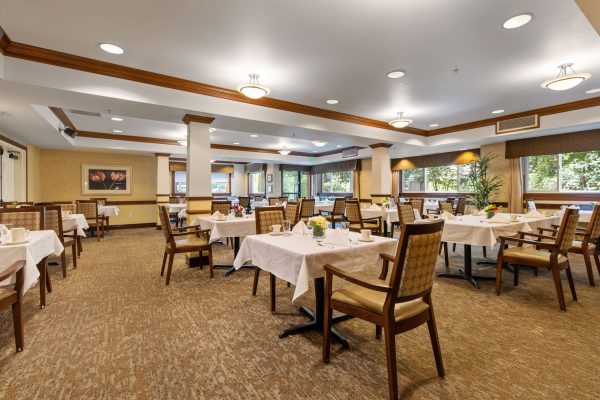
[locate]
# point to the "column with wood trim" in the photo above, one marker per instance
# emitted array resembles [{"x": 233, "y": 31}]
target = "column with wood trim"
[
  {"x": 381, "y": 172},
  {"x": 163, "y": 184}
]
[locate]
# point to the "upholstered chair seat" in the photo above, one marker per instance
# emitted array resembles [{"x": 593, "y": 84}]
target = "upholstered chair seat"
[
  {"x": 577, "y": 247},
  {"x": 6, "y": 292},
  {"x": 531, "y": 256}
]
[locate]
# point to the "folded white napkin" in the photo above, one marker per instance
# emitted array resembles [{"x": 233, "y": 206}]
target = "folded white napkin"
[
  {"x": 217, "y": 214},
  {"x": 499, "y": 218},
  {"x": 446, "y": 216},
  {"x": 534, "y": 214},
  {"x": 3, "y": 230},
  {"x": 337, "y": 237},
  {"x": 573, "y": 206},
  {"x": 375, "y": 207},
  {"x": 300, "y": 229},
  {"x": 284, "y": 204}
]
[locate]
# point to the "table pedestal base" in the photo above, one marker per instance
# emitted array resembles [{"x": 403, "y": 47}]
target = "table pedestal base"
[{"x": 466, "y": 272}]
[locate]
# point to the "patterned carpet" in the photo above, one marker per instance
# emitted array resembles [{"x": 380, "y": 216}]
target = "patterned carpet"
[{"x": 113, "y": 330}]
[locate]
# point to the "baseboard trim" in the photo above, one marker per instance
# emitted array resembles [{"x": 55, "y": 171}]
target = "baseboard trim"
[{"x": 132, "y": 226}]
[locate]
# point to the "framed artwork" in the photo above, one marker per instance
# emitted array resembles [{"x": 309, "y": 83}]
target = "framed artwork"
[
  {"x": 269, "y": 177},
  {"x": 105, "y": 179}
]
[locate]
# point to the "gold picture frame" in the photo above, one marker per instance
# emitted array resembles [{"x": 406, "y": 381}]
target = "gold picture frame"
[{"x": 110, "y": 180}]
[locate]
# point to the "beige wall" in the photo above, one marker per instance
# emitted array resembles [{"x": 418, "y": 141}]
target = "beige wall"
[
  {"x": 61, "y": 180},
  {"x": 34, "y": 174},
  {"x": 499, "y": 167},
  {"x": 365, "y": 179}
]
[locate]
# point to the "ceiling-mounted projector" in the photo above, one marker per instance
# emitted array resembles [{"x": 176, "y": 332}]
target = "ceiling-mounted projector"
[{"x": 68, "y": 131}]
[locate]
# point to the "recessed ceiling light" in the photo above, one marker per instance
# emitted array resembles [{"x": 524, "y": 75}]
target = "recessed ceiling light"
[
  {"x": 332, "y": 101},
  {"x": 497, "y": 111},
  {"x": 319, "y": 143},
  {"x": 284, "y": 152},
  {"x": 211, "y": 129},
  {"x": 118, "y": 119},
  {"x": 111, "y": 48},
  {"x": 254, "y": 135},
  {"x": 400, "y": 122},
  {"x": 517, "y": 21},
  {"x": 434, "y": 125},
  {"x": 564, "y": 80},
  {"x": 236, "y": 143},
  {"x": 117, "y": 131},
  {"x": 184, "y": 143},
  {"x": 592, "y": 91},
  {"x": 339, "y": 146},
  {"x": 253, "y": 89},
  {"x": 398, "y": 73}
]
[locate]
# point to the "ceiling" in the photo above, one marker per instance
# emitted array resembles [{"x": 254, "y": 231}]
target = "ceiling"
[{"x": 460, "y": 65}]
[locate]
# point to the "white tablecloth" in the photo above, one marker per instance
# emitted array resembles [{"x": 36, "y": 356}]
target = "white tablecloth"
[
  {"x": 477, "y": 231},
  {"x": 299, "y": 259},
  {"x": 262, "y": 203},
  {"x": 584, "y": 216},
  {"x": 108, "y": 211},
  {"x": 175, "y": 208},
  {"x": 75, "y": 221},
  {"x": 182, "y": 214},
  {"x": 41, "y": 244},
  {"x": 232, "y": 227},
  {"x": 326, "y": 206}
]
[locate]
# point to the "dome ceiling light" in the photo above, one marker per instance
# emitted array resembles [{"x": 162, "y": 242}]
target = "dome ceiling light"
[
  {"x": 517, "y": 21},
  {"x": 400, "y": 122},
  {"x": 319, "y": 143},
  {"x": 398, "y": 73},
  {"x": 111, "y": 48},
  {"x": 253, "y": 89},
  {"x": 564, "y": 80}
]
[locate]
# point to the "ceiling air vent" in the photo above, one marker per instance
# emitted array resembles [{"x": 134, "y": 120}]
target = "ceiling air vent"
[
  {"x": 517, "y": 124},
  {"x": 86, "y": 113},
  {"x": 350, "y": 152}
]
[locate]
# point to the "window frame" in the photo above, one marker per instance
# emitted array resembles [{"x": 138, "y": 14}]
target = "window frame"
[
  {"x": 525, "y": 172},
  {"x": 228, "y": 189},
  {"x": 454, "y": 190},
  {"x": 264, "y": 182},
  {"x": 351, "y": 183},
  {"x": 174, "y": 191}
]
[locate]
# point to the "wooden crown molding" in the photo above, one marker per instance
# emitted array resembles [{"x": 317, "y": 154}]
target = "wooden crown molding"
[
  {"x": 377, "y": 145},
  {"x": 4, "y": 42},
  {"x": 12, "y": 142},
  {"x": 162, "y": 154},
  {"x": 62, "y": 117},
  {"x": 126, "y": 138},
  {"x": 187, "y": 118},
  {"x": 177, "y": 159},
  {"x": 257, "y": 150}
]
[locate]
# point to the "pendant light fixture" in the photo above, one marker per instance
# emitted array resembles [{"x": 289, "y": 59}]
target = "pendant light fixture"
[
  {"x": 564, "y": 80},
  {"x": 253, "y": 89},
  {"x": 400, "y": 122}
]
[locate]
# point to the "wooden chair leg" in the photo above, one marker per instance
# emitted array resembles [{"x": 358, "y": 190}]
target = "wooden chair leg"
[
  {"x": 588, "y": 267},
  {"x": 378, "y": 330},
  {"x": 435, "y": 344},
  {"x": 446, "y": 260},
  {"x": 170, "y": 267},
  {"x": 17, "y": 311},
  {"x": 210, "y": 263},
  {"x": 273, "y": 292},
  {"x": 108, "y": 224},
  {"x": 97, "y": 228},
  {"x": 162, "y": 270},
  {"x": 571, "y": 283},
  {"x": 327, "y": 329},
  {"x": 597, "y": 259},
  {"x": 559, "y": 289},
  {"x": 255, "y": 283},
  {"x": 79, "y": 246},
  {"x": 499, "y": 266},
  {"x": 390, "y": 352},
  {"x": 74, "y": 254},
  {"x": 484, "y": 252},
  {"x": 63, "y": 263},
  {"x": 48, "y": 281},
  {"x": 43, "y": 270},
  {"x": 453, "y": 247},
  {"x": 516, "y": 275}
]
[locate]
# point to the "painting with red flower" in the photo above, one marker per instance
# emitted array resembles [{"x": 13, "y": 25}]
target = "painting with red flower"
[{"x": 106, "y": 179}]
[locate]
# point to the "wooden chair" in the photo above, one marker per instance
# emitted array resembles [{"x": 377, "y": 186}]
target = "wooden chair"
[
  {"x": 365, "y": 203},
  {"x": 446, "y": 206},
  {"x": 399, "y": 304},
  {"x": 102, "y": 202},
  {"x": 291, "y": 213},
  {"x": 307, "y": 209},
  {"x": 71, "y": 207},
  {"x": 417, "y": 204},
  {"x": 274, "y": 200},
  {"x": 354, "y": 217},
  {"x": 552, "y": 256},
  {"x": 193, "y": 240},
  {"x": 258, "y": 198},
  {"x": 265, "y": 217},
  {"x": 54, "y": 221},
  {"x": 460, "y": 206},
  {"x": 222, "y": 206},
  {"x": 586, "y": 246},
  {"x": 338, "y": 214},
  {"x": 244, "y": 201},
  {"x": 89, "y": 209},
  {"x": 406, "y": 215},
  {"x": 13, "y": 297}
]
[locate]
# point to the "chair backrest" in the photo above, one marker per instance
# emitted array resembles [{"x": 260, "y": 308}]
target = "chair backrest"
[
  {"x": 267, "y": 216},
  {"x": 53, "y": 220},
  {"x": 244, "y": 201},
  {"x": 339, "y": 207},
  {"x": 31, "y": 218},
  {"x": 415, "y": 261},
  {"x": 307, "y": 208},
  {"x": 258, "y": 198},
  {"x": 460, "y": 207},
  {"x": 89, "y": 208},
  {"x": 274, "y": 200},
  {"x": 222, "y": 206},
  {"x": 165, "y": 223},
  {"x": 291, "y": 212},
  {"x": 566, "y": 231},
  {"x": 101, "y": 200},
  {"x": 43, "y": 204},
  {"x": 68, "y": 207},
  {"x": 446, "y": 206},
  {"x": 406, "y": 215},
  {"x": 173, "y": 199},
  {"x": 353, "y": 212},
  {"x": 531, "y": 205},
  {"x": 417, "y": 204},
  {"x": 364, "y": 203},
  {"x": 593, "y": 228}
]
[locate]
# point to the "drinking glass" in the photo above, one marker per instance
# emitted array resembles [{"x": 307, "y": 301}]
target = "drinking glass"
[{"x": 287, "y": 227}]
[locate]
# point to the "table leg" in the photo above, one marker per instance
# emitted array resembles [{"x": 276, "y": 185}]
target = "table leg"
[
  {"x": 43, "y": 268},
  {"x": 385, "y": 229},
  {"x": 316, "y": 317},
  {"x": 230, "y": 268},
  {"x": 466, "y": 272}
]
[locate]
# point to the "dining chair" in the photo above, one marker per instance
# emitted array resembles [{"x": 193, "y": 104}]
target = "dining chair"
[
  {"x": 460, "y": 206},
  {"x": 417, "y": 204},
  {"x": 357, "y": 222},
  {"x": 89, "y": 209},
  {"x": 291, "y": 213},
  {"x": 399, "y": 304},
  {"x": 258, "y": 198},
  {"x": 10, "y": 204},
  {"x": 283, "y": 199},
  {"x": 446, "y": 206},
  {"x": 54, "y": 222},
  {"x": 102, "y": 202},
  {"x": 13, "y": 297},
  {"x": 550, "y": 255},
  {"x": 586, "y": 246},
  {"x": 266, "y": 217},
  {"x": 244, "y": 201},
  {"x": 193, "y": 239},
  {"x": 337, "y": 214},
  {"x": 222, "y": 206},
  {"x": 72, "y": 208},
  {"x": 365, "y": 203},
  {"x": 307, "y": 209},
  {"x": 406, "y": 215}
]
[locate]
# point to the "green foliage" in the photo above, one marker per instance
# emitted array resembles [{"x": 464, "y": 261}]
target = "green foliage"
[
  {"x": 337, "y": 182},
  {"x": 442, "y": 178},
  {"x": 578, "y": 172},
  {"x": 482, "y": 184}
]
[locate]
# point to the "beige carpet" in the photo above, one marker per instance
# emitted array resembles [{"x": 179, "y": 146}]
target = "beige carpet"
[{"x": 113, "y": 330}]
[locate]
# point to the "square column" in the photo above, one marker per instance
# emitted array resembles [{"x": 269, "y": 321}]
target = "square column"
[
  {"x": 163, "y": 182},
  {"x": 381, "y": 172}
]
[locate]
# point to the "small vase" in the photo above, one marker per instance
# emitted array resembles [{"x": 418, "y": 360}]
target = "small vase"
[
  {"x": 239, "y": 214},
  {"x": 490, "y": 214},
  {"x": 318, "y": 232}
]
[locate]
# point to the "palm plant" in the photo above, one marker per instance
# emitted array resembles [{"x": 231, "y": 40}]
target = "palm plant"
[{"x": 483, "y": 186}]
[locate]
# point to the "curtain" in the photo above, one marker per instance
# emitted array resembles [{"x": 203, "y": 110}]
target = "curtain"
[
  {"x": 340, "y": 166},
  {"x": 316, "y": 184},
  {"x": 222, "y": 168},
  {"x": 435, "y": 160},
  {"x": 255, "y": 167},
  {"x": 515, "y": 186},
  {"x": 356, "y": 183},
  {"x": 395, "y": 183},
  {"x": 291, "y": 167},
  {"x": 554, "y": 144}
]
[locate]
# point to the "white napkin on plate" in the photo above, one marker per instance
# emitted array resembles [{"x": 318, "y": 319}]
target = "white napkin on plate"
[
  {"x": 217, "y": 214},
  {"x": 375, "y": 207},
  {"x": 573, "y": 206},
  {"x": 300, "y": 228},
  {"x": 446, "y": 216},
  {"x": 499, "y": 218},
  {"x": 337, "y": 237},
  {"x": 534, "y": 214}
]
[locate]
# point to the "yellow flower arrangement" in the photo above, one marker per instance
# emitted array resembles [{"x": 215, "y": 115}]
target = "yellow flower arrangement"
[{"x": 318, "y": 222}]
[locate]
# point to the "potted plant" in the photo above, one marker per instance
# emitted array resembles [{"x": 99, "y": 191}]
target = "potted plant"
[
  {"x": 238, "y": 211},
  {"x": 319, "y": 225},
  {"x": 481, "y": 183}
]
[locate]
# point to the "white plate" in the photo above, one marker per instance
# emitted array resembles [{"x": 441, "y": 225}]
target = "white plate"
[
  {"x": 366, "y": 240},
  {"x": 15, "y": 243},
  {"x": 276, "y": 233}
]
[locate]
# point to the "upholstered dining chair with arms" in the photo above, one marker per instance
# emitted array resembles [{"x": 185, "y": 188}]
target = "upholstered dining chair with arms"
[
  {"x": 13, "y": 297},
  {"x": 102, "y": 202},
  {"x": 307, "y": 209},
  {"x": 356, "y": 221},
  {"x": 446, "y": 206},
  {"x": 460, "y": 206},
  {"x": 291, "y": 212},
  {"x": 89, "y": 209},
  {"x": 338, "y": 213},
  {"x": 189, "y": 239},
  {"x": 417, "y": 204},
  {"x": 72, "y": 208},
  {"x": 54, "y": 221},
  {"x": 406, "y": 215},
  {"x": 222, "y": 206},
  {"x": 244, "y": 201},
  {"x": 398, "y": 304},
  {"x": 550, "y": 255}
]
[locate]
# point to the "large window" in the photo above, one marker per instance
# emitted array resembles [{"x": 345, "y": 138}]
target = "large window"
[
  {"x": 337, "y": 182},
  {"x": 256, "y": 182},
  {"x": 448, "y": 178},
  {"x": 294, "y": 184},
  {"x": 179, "y": 182},
  {"x": 220, "y": 182},
  {"x": 569, "y": 172}
]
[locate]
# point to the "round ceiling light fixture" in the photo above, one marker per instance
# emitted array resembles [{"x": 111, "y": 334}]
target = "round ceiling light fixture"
[
  {"x": 284, "y": 152},
  {"x": 517, "y": 21},
  {"x": 211, "y": 129},
  {"x": 117, "y": 119},
  {"x": 332, "y": 101},
  {"x": 254, "y": 135},
  {"x": 117, "y": 131},
  {"x": 592, "y": 91},
  {"x": 497, "y": 111},
  {"x": 111, "y": 48},
  {"x": 400, "y": 122},
  {"x": 253, "y": 89},
  {"x": 434, "y": 125},
  {"x": 395, "y": 74},
  {"x": 319, "y": 143},
  {"x": 564, "y": 80}
]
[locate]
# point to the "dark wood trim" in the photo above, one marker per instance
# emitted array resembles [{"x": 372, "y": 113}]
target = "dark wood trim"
[
  {"x": 162, "y": 154},
  {"x": 13, "y": 143},
  {"x": 178, "y": 159},
  {"x": 196, "y": 212},
  {"x": 133, "y": 226},
  {"x": 199, "y": 198},
  {"x": 129, "y": 202},
  {"x": 433, "y": 195},
  {"x": 168, "y": 194},
  {"x": 256, "y": 150},
  {"x": 381, "y": 195},
  {"x": 62, "y": 117},
  {"x": 126, "y": 138},
  {"x": 187, "y": 118},
  {"x": 4, "y": 42},
  {"x": 562, "y": 196},
  {"x": 376, "y": 145}
]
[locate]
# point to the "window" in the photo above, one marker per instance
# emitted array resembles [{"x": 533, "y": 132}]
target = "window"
[
  {"x": 337, "y": 182},
  {"x": 179, "y": 182},
  {"x": 219, "y": 182},
  {"x": 256, "y": 182},
  {"x": 568, "y": 172},
  {"x": 294, "y": 184},
  {"x": 447, "y": 178}
]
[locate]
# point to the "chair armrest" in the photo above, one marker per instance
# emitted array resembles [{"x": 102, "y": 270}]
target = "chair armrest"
[
  {"x": 387, "y": 257},
  {"x": 540, "y": 230},
  {"x": 545, "y": 245},
  {"x": 13, "y": 269},
  {"x": 184, "y": 228},
  {"x": 358, "y": 279},
  {"x": 537, "y": 235},
  {"x": 385, "y": 265}
]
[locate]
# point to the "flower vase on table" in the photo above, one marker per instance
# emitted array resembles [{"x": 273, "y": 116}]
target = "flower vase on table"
[
  {"x": 238, "y": 211},
  {"x": 319, "y": 225},
  {"x": 491, "y": 210}
]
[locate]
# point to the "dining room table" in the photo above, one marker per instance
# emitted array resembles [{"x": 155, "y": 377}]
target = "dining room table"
[
  {"x": 108, "y": 211},
  {"x": 324, "y": 205},
  {"x": 75, "y": 221},
  {"x": 388, "y": 216},
  {"x": 35, "y": 251},
  {"x": 478, "y": 230},
  {"x": 300, "y": 259}
]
